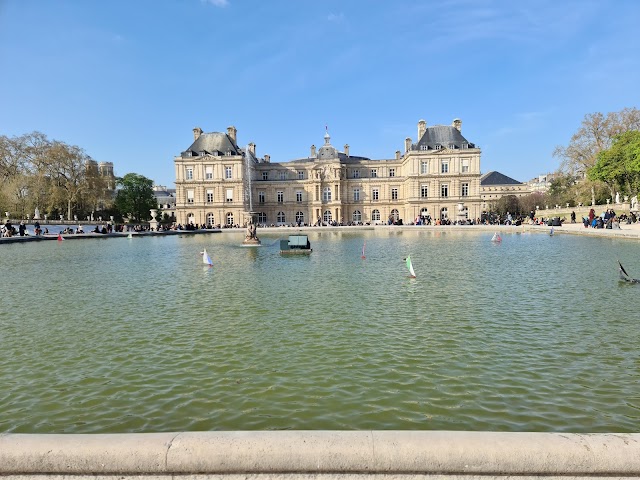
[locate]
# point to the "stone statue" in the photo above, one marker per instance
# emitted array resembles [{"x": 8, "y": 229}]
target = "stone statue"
[
  {"x": 634, "y": 203},
  {"x": 617, "y": 197},
  {"x": 251, "y": 238}
]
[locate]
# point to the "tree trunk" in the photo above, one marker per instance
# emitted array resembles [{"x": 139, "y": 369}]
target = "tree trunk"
[
  {"x": 69, "y": 209},
  {"x": 593, "y": 195}
]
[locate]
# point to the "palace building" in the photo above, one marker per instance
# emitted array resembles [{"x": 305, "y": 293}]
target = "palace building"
[{"x": 438, "y": 175}]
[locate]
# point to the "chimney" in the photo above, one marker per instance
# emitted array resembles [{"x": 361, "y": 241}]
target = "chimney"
[
  {"x": 252, "y": 147},
  {"x": 422, "y": 127},
  {"x": 267, "y": 158},
  {"x": 231, "y": 131},
  {"x": 313, "y": 151},
  {"x": 196, "y": 133},
  {"x": 397, "y": 154},
  {"x": 346, "y": 149},
  {"x": 457, "y": 123},
  {"x": 407, "y": 144}
]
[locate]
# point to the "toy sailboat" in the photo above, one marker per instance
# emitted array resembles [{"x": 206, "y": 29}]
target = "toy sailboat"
[
  {"x": 412, "y": 273},
  {"x": 363, "y": 247},
  {"x": 496, "y": 238},
  {"x": 60, "y": 238},
  {"x": 206, "y": 259},
  {"x": 625, "y": 276}
]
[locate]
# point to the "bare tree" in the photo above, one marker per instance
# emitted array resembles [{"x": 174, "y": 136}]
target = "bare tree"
[{"x": 596, "y": 133}]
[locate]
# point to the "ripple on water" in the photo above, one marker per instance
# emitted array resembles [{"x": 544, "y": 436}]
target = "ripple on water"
[{"x": 142, "y": 338}]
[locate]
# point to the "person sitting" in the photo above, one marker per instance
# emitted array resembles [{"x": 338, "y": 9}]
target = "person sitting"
[
  {"x": 97, "y": 229},
  {"x": 79, "y": 230}
]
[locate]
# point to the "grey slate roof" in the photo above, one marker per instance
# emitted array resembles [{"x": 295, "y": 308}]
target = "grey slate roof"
[
  {"x": 443, "y": 135},
  {"x": 497, "y": 178},
  {"x": 214, "y": 142}
]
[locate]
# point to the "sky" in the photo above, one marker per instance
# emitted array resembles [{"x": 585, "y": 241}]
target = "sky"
[{"x": 129, "y": 80}]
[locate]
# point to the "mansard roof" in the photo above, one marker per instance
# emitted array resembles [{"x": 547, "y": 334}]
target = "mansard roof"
[
  {"x": 443, "y": 135},
  {"x": 214, "y": 143},
  {"x": 497, "y": 178}
]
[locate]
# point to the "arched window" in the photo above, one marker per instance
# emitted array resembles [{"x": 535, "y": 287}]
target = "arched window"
[
  {"x": 375, "y": 215},
  {"x": 280, "y": 217},
  {"x": 191, "y": 219},
  {"x": 299, "y": 217},
  {"x": 229, "y": 218},
  {"x": 357, "y": 216},
  {"x": 444, "y": 213},
  {"x": 424, "y": 212},
  {"x": 262, "y": 217},
  {"x": 210, "y": 219},
  {"x": 395, "y": 215},
  {"x": 326, "y": 216}
]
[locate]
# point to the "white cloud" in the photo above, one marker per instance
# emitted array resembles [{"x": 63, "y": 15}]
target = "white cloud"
[
  {"x": 336, "y": 17},
  {"x": 217, "y": 3}
]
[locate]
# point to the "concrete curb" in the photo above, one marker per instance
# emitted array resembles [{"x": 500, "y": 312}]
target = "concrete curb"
[{"x": 333, "y": 453}]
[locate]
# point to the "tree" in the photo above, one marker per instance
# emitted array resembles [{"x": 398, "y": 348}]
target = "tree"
[
  {"x": 507, "y": 204},
  {"x": 619, "y": 166},
  {"x": 135, "y": 197},
  {"x": 595, "y": 134}
]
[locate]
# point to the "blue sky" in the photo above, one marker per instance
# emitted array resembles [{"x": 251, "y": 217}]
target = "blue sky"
[{"x": 128, "y": 80}]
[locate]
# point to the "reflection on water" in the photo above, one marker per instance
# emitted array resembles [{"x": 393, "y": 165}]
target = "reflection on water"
[{"x": 133, "y": 335}]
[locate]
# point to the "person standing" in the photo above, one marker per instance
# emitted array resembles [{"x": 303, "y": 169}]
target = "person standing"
[{"x": 573, "y": 217}]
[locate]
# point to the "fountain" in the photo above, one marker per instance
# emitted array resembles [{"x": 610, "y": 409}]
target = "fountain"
[{"x": 250, "y": 238}]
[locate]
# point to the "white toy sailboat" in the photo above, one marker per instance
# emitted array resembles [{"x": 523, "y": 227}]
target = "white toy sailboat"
[
  {"x": 363, "y": 247},
  {"x": 412, "y": 273},
  {"x": 206, "y": 259},
  {"x": 496, "y": 238}
]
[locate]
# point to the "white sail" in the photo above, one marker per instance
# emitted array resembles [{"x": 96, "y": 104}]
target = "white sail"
[
  {"x": 206, "y": 259},
  {"x": 410, "y": 267}
]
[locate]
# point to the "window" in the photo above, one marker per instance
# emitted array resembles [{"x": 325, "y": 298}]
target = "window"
[
  {"x": 280, "y": 197},
  {"x": 444, "y": 213},
  {"x": 395, "y": 215},
  {"x": 229, "y": 218},
  {"x": 424, "y": 167},
  {"x": 452, "y": 146},
  {"x": 262, "y": 217},
  {"x": 394, "y": 194},
  {"x": 229, "y": 196},
  {"x": 444, "y": 190},
  {"x": 357, "y": 216},
  {"x": 356, "y": 194},
  {"x": 208, "y": 172},
  {"x": 209, "y": 195},
  {"x": 265, "y": 175},
  {"x": 424, "y": 191},
  {"x": 260, "y": 197},
  {"x": 464, "y": 145},
  {"x": 375, "y": 194},
  {"x": 356, "y": 174},
  {"x": 210, "y": 219},
  {"x": 189, "y": 173},
  {"x": 465, "y": 190},
  {"x": 282, "y": 175},
  {"x": 189, "y": 196},
  {"x": 227, "y": 153},
  {"x": 464, "y": 165},
  {"x": 424, "y": 212},
  {"x": 191, "y": 219},
  {"x": 299, "y": 218},
  {"x": 374, "y": 172},
  {"x": 326, "y": 194},
  {"x": 392, "y": 172},
  {"x": 326, "y": 216},
  {"x": 438, "y": 147},
  {"x": 300, "y": 174},
  {"x": 424, "y": 147},
  {"x": 445, "y": 167},
  {"x": 299, "y": 196},
  {"x": 375, "y": 215},
  {"x": 227, "y": 172},
  {"x": 280, "y": 217}
]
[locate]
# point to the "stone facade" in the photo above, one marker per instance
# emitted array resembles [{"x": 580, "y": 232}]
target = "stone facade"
[{"x": 439, "y": 175}]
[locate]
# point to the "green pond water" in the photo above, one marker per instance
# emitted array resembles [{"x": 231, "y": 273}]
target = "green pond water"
[{"x": 136, "y": 335}]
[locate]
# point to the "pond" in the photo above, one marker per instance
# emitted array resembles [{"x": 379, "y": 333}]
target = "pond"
[{"x": 137, "y": 335}]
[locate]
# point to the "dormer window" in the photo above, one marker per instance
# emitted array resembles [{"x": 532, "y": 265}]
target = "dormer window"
[
  {"x": 451, "y": 146},
  {"x": 202, "y": 153},
  {"x": 188, "y": 153},
  {"x": 424, "y": 147},
  {"x": 438, "y": 147},
  {"x": 228, "y": 153},
  {"x": 464, "y": 145}
]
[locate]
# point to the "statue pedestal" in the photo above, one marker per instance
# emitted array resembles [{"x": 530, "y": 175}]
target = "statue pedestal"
[{"x": 251, "y": 241}]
